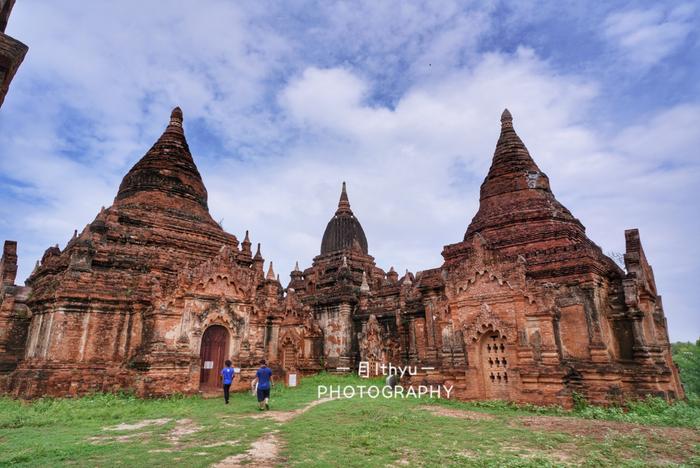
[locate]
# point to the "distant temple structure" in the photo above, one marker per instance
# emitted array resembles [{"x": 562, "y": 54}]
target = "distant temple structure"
[
  {"x": 153, "y": 295},
  {"x": 12, "y": 51}
]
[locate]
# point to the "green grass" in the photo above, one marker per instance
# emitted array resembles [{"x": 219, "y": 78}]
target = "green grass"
[
  {"x": 357, "y": 432},
  {"x": 382, "y": 432},
  {"x": 652, "y": 410}
]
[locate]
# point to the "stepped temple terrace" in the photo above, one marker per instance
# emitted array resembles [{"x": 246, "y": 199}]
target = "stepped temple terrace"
[{"x": 153, "y": 296}]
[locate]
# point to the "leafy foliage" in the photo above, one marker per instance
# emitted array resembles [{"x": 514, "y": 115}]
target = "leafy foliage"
[
  {"x": 652, "y": 410},
  {"x": 687, "y": 356}
]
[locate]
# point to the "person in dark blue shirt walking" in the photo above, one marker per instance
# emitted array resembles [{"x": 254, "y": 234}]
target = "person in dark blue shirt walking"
[
  {"x": 263, "y": 378},
  {"x": 227, "y": 374}
]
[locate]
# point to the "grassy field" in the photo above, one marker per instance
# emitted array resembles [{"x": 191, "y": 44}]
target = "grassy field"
[{"x": 109, "y": 430}]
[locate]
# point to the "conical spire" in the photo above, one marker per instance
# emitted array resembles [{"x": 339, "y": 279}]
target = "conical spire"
[
  {"x": 259, "y": 263},
  {"x": 245, "y": 246},
  {"x": 297, "y": 281},
  {"x": 515, "y": 191},
  {"x": 258, "y": 255},
  {"x": 166, "y": 173},
  {"x": 344, "y": 202},
  {"x": 271, "y": 273},
  {"x": 510, "y": 156}
]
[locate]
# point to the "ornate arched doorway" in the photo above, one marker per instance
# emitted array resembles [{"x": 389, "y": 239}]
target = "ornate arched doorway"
[
  {"x": 213, "y": 353},
  {"x": 288, "y": 352},
  {"x": 289, "y": 357}
]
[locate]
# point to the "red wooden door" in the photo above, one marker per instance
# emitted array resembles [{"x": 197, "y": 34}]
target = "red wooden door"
[{"x": 213, "y": 354}]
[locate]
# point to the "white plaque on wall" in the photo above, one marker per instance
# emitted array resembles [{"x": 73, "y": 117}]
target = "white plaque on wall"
[
  {"x": 208, "y": 364},
  {"x": 292, "y": 380}
]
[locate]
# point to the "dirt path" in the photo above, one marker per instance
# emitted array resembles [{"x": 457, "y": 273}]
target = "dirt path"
[
  {"x": 667, "y": 444},
  {"x": 599, "y": 429},
  {"x": 138, "y": 425},
  {"x": 284, "y": 416},
  {"x": 455, "y": 413},
  {"x": 265, "y": 451},
  {"x": 596, "y": 428}
]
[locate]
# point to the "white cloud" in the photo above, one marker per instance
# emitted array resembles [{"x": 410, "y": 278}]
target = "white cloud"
[
  {"x": 647, "y": 36},
  {"x": 291, "y": 110},
  {"x": 414, "y": 170}
]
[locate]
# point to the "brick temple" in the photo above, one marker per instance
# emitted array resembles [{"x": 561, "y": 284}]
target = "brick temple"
[
  {"x": 153, "y": 295},
  {"x": 12, "y": 51}
]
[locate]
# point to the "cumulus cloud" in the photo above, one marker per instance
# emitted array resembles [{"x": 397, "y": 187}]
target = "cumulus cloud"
[
  {"x": 647, "y": 36},
  {"x": 414, "y": 168},
  {"x": 402, "y": 101}
]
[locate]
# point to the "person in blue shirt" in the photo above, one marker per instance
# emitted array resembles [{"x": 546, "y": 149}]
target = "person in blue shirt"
[
  {"x": 227, "y": 374},
  {"x": 263, "y": 379}
]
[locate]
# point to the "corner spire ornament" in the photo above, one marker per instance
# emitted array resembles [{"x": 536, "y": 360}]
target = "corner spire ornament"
[
  {"x": 364, "y": 287},
  {"x": 258, "y": 255},
  {"x": 407, "y": 279}
]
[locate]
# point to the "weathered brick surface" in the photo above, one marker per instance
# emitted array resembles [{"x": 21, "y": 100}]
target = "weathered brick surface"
[
  {"x": 12, "y": 51},
  {"x": 525, "y": 308}
]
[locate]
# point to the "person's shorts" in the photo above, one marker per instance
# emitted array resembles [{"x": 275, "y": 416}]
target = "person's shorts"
[{"x": 263, "y": 393}]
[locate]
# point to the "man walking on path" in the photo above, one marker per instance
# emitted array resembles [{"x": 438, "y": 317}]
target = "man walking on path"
[
  {"x": 263, "y": 378},
  {"x": 227, "y": 374}
]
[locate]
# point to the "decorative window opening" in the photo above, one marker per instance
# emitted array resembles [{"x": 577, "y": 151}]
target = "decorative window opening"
[{"x": 495, "y": 363}]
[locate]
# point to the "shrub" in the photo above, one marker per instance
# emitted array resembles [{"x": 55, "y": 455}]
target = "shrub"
[{"x": 687, "y": 356}]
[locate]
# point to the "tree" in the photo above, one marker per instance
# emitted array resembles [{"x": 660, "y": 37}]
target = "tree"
[{"x": 687, "y": 356}]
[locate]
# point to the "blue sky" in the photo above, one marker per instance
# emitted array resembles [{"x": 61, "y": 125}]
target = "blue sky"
[{"x": 284, "y": 100}]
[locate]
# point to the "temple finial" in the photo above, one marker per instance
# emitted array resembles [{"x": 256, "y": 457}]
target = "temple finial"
[
  {"x": 176, "y": 117},
  {"x": 271, "y": 273},
  {"x": 506, "y": 119},
  {"x": 296, "y": 266},
  {"x": 344, "y": 202}
]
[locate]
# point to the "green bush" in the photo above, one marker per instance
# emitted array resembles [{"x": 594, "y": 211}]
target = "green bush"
[
  {"x": 687, "y": 356},
  {"x": 652, "y": 410}
]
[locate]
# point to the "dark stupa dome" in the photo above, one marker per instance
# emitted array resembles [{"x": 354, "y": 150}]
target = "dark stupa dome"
[{"x": 344, "y": 231}]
